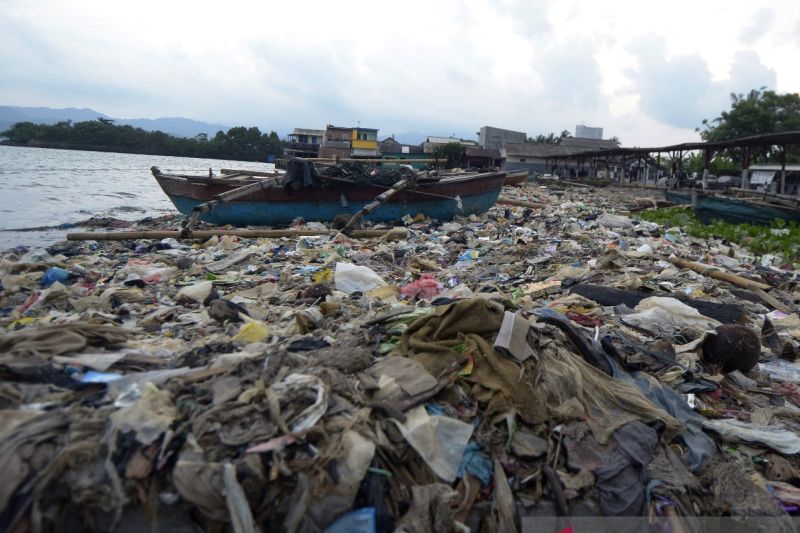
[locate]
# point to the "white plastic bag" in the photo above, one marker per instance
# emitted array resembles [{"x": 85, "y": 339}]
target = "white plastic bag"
[
  {"x": 351, "y": 278},
  {"x": 669, "y": 316}
]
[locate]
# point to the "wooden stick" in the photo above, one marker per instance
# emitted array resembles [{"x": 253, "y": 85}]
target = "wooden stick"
[
  {"x": 206, "y": 234},
  {"x": 263, "y": 174},
  {"x": 510, "y": 201},
  {"x": 717, "y": 273},
  {"x": 224, "y": 197},
  {"x": 370, "y": 207},
  {"x": 771, "y": 301}
]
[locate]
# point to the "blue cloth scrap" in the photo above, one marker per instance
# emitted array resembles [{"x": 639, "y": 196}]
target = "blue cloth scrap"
[
  {"x": 477, "y": 463},
  {"x": 358, "y": 521}
]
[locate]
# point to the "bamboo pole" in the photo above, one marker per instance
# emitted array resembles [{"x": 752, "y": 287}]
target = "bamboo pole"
[
  {"x": 206, "y": 234},
  {"x": 717, "y": 273},
  {"x": 370, "y": 207},
  {"x": 772, "y": 301},
  {"x": 264, "y": 174},
  {"x": 224, "y": 197}
]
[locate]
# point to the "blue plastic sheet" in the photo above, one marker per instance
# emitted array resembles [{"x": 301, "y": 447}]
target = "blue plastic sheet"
[{"x": 358, "y": 521}]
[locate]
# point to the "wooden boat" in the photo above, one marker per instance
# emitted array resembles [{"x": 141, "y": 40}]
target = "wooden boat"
[
  {"x": 441, "y": 198},
  {"x": 516, "y": 178},
  {"x": 678, "y": 197},
  {"x": 753, "y": 207}
]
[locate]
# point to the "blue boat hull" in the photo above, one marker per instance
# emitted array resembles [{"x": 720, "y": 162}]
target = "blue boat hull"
[
  {"x": 709, "y": 207},
  {"x": 442, "y": 198},
  {"x": 279, "y": 214}
]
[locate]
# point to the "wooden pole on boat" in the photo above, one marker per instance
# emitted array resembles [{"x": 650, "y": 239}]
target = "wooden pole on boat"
[
  {"x": 783, "y": 170},
  {"x": 206, "y": 234},
  {"x": 227, "y": 196},
  {"x": 370, "y": 207}
]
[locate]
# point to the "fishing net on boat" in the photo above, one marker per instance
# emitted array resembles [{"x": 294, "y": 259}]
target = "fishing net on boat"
[{"x": 364, "y": 174}]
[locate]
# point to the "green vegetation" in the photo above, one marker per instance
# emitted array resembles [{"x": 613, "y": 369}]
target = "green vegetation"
[
  {"x": 453, "y": 152},
  {"x": 781, "y": 238},
  {"x": 760, "y": 111},
  {"x": 550, "y": 138},
  {"x": 240, "y": 143}
]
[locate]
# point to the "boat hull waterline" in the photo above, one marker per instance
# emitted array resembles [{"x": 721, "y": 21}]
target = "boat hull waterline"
[
  {"x": 710, "y": 207},
  {"x": 274, "y": 207}
]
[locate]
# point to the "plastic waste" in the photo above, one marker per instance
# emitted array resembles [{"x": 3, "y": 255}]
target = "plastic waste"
[
  {"x": 781, "y": 371},
  {"x": 351, "y": 278},
  {"x": 358, "y": 521},
  {"x": 775, "y": 437},
  {"x": 439, "y": 440},
  {"x": 253, "y": 331},
  {"x": 469, "y": 255},
  {"x": 614, "y": 221},
  {"x": 669, "y": 317},
  {"x": 426, "y": 287},
  {"x": 54, "y": 274},
  {"x": 197, "y": 292}
]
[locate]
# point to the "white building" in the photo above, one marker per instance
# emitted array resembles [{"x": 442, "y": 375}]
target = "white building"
[{"x": 588, "y": 132}]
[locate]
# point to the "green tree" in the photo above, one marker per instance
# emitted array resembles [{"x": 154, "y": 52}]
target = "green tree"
[
  {"x": 240, "y": 143},
  {"x": 452, "y": 152},
  {"x": 550, "y": 138},
  {"x": 760, "y": 111}
]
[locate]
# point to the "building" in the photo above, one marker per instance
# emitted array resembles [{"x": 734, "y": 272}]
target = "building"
[
  {"x": 587, "y": 132},
  {"x": 492, "y": 138},
  {"x": 343, "y": 142},
  {"x": 477, "y": 157},
  {"x": 391, "y": 150},
  {"x": 534, "y": 156},
  {"x": 364, "y": 142},
  {"x": 430, "y": 143},
  {"x": 303, "y": 142}
]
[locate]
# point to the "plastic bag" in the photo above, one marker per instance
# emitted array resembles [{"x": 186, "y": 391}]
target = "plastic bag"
[
  {"x": 670, "y": 317},
  {"x": 351, "y": 278},
  {"x": 425, "y": 287}
]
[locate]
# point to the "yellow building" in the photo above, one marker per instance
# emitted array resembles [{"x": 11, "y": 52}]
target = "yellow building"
[{"x": 364, "y": 142}]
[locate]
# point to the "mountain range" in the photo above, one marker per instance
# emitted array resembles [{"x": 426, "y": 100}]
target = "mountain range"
[{"x": 180, "y": 126}]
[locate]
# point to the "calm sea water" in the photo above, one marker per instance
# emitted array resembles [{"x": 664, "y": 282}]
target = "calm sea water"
[{"x": 44, "y": 187}]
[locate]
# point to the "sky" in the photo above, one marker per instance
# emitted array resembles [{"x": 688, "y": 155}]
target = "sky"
[{"x": 647, "y": 72}]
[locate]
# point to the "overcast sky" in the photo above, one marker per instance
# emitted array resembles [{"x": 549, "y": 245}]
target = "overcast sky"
[{"x": 647, "y": 72}]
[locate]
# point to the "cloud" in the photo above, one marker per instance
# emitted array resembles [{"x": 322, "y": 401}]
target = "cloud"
[
  {"x": 670, "y": 90},
  {"x": 528, "y": 17},
  {"x": 747, "y": 73},
  {"x": 679, "y": 91},
  {"x": 760, "y": 24},
  {"x": 571, "y": 75}
]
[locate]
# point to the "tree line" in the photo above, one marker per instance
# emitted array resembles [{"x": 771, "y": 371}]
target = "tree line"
[{"x": 239, "y": 143}]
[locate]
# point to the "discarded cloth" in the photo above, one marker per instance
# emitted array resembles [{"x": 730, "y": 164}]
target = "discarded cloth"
[
  {"x": 60, "y": 339},
  {"x": 621, "y": 480}
]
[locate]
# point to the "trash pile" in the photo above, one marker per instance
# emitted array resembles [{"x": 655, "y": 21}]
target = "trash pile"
[{"x": 487, "y": 373}]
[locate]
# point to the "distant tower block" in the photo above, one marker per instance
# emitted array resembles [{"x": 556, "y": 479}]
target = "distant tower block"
[{"x": 588, "y": 132}]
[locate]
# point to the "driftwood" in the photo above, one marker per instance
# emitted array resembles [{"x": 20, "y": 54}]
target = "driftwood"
[
  {"x": 757, "y": 288},
  {"x": 719, "y": 274}
]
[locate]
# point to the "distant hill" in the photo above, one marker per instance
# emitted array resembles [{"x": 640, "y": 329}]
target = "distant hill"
[{"x": 182, "y": 127}]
